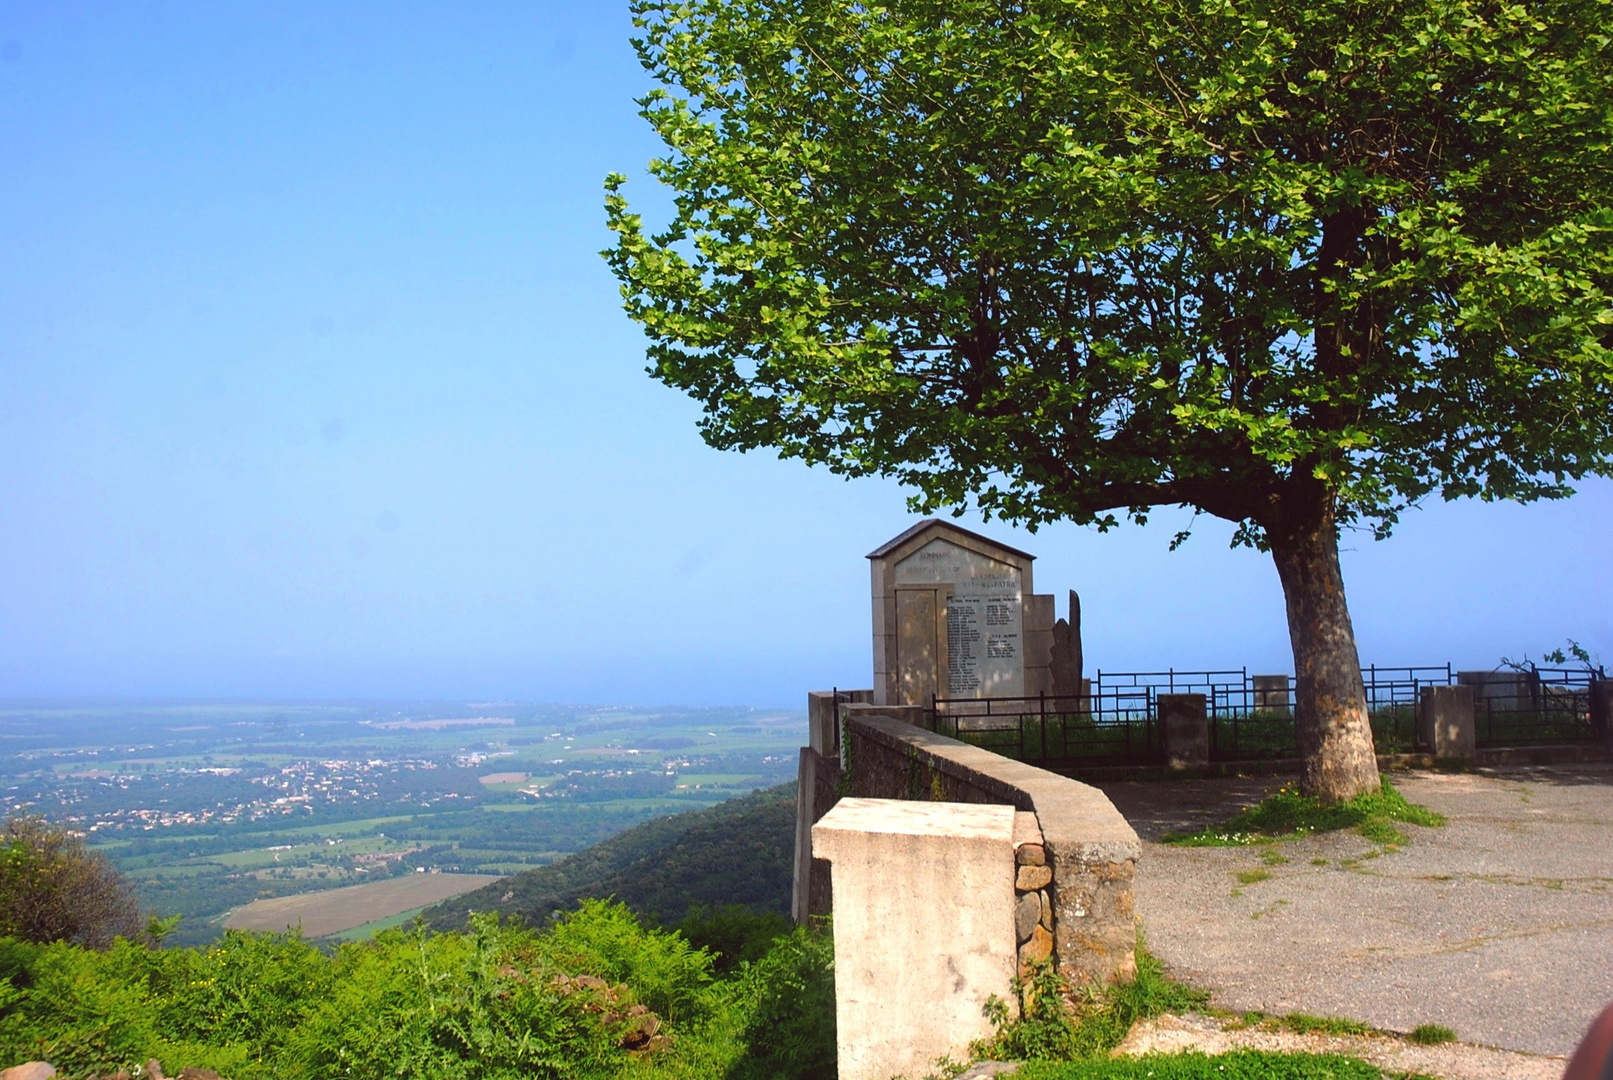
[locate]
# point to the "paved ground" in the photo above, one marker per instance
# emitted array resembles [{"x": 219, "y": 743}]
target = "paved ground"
[{"x": 1499, "y": 925}]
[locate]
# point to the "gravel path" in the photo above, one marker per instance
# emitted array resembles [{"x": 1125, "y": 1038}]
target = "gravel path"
[{"x": 1499, "y": 925}]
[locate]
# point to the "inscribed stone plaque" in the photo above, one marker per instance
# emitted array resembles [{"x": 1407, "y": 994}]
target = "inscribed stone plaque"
[{"x": 985, "y": 648}]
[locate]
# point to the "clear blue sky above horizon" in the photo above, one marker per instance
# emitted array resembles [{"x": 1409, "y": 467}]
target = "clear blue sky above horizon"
[{"x": 313, "y": 385}]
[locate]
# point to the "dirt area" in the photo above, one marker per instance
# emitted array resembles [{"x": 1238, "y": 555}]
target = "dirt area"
[
  {"x": 1499, "y": 925},
  {"x": 335, "y": 910},
  {"x": 1452, "y": 1061}
]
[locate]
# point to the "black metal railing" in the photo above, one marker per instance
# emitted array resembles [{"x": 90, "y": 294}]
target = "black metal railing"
[
  {"x": 1249, "y": 717},
  {"x": 1555, "y": 715},
  {"x": 1392, "y": 696},
  {"x": 1114, "y": 726}
]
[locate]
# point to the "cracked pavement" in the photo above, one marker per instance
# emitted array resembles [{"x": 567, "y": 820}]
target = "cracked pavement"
[{"x": 1498, "y": 925}]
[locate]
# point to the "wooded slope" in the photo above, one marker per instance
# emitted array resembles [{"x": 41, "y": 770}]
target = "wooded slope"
[{"x": 739, "y": 852}]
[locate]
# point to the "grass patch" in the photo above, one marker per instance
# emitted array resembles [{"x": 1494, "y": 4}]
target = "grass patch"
[
  {"x": 1285, "y": 814},
  {"x": 1237, "y": 1065},
  {"x": 1431, "y": 1035},
  {"x": 1249, "y": 877},
  {"x": 1381, "y": 831},
  {"x": 1272, "y": 858},
  {"x": 1048, "y": 1030},
  {"x": 1064, "y": 1036},
  {"x": 1305, "y": 1024},
  {"x": 1318, "y": 861}
]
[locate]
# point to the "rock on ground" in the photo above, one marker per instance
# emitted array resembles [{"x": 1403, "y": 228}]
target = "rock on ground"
[{"x": 32, "y": 1070}]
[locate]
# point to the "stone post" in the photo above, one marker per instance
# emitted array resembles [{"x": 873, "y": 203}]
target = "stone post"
[
  {"x": 1602, "y": 711},
  {"x": 1184, "y": 726},
  {"x": 1272, "y": 694},
  {"x": 1445, "y": 722},
  {"x": 923, "y": 932}
]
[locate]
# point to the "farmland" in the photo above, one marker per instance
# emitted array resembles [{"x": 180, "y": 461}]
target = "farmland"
[{"x": 335, "y": 910}]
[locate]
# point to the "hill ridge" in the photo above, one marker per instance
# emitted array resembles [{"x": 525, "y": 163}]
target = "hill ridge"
[{"x": 739, "y": 852}]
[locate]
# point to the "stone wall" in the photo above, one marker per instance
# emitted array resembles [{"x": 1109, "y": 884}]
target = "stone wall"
[{"x": 1088, "y": 851}]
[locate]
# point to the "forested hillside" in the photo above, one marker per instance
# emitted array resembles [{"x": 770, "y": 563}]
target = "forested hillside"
[{"x": 736, "y": 853}]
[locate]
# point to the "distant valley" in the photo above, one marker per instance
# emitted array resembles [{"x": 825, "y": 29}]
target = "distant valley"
[{"x": 211, "y": 807}]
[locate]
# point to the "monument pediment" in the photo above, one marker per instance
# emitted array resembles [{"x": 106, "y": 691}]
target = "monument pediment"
[{"x": 910, "y": 540}]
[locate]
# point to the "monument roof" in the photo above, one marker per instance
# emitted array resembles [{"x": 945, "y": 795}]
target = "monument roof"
[{"x": 936, "y": 523}]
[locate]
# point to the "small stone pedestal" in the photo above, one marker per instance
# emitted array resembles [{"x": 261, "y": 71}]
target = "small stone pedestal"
[
  {"x": 1272, "y": 694},
  {"x": 1602, "y": 711},
  {"x": 923, "y": 928},
  {"x": 1184, "y": 724},
  {"x": 1445, "y": 724}
]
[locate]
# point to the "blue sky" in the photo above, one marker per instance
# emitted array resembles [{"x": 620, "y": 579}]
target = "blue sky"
[{"x": 312, "y": 384}]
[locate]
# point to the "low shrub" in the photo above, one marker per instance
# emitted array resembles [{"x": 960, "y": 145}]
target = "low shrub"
[
  {"x": 597, "y": 996},
  {"x": 1049, "y": 1029},
  {"x": 734, "y": 935},
  {"x": 788, "y": 1001},
  {"x": 53, "y": 889}
]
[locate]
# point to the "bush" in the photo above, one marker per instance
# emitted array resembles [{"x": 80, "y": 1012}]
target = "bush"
[
  {"x": 789, "y": 1001},
  {"x": 734, "y": 935},
  {"x": 451, "y": 1006},
  {"x": 1048, "y": 1030},
  {"x": 52, "y": 889},
  {"x": 663, "y": 970},
  {"x": 596, "y": 996}
]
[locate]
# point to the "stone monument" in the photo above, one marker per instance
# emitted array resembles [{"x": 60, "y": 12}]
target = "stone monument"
[{"x": 955, "y": 618}]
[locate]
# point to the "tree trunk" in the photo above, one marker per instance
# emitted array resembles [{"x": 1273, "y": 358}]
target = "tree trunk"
[{"x": 1330, "y": 714}]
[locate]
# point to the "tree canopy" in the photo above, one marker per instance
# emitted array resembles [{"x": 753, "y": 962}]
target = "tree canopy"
[
  {"x": 1078, "y": 257},
  {"x": 52, "y": 889}
]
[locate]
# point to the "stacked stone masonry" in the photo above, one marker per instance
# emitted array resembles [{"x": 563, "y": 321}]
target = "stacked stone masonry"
[{"x": 1033, "y": 894}]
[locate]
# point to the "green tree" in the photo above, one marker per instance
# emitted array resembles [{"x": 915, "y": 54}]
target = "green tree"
[
  {"x": 52, "y": 889},
  {"x": 1297, "y": 264}
]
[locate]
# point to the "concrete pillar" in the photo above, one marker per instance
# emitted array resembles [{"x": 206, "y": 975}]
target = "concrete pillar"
[
  {"x": 1602, "y": 711},
  {"x": 822, "y": 733},
  {"x": 1445, "y": 722},
  {"x": 801, "y": 880},
  {"x": 1272, "y": 694},
  {"x": 1184, "y": 726},
  {"x": 923, "y": 931}
]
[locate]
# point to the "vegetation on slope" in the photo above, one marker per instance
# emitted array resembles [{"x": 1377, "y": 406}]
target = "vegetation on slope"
[
  {"x": 739, "y": 853},
  {"x": 596, "y": 995}
]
